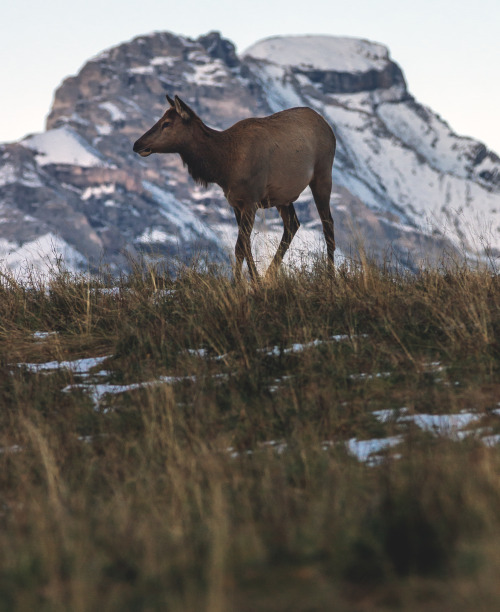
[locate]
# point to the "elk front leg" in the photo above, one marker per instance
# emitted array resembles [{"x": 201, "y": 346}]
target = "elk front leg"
[{"x": 245, "y": 217}]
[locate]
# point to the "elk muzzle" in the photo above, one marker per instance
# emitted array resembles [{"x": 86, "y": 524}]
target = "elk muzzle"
[{"x": 142, "y": 150}]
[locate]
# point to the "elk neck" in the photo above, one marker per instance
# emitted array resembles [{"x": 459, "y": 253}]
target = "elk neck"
[{"x": 207, "y": 156}]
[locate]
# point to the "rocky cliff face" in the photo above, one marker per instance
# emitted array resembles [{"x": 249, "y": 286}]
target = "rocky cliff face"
[{"x": 404, "y": 182}]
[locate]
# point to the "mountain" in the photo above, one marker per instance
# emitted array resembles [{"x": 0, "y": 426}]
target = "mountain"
[{"x": 404, "y": 183}]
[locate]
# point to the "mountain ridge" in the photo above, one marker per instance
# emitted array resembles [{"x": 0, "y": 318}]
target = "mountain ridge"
[{"x": 403, "y": 181}]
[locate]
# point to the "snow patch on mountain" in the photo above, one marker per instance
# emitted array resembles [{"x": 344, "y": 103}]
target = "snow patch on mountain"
[
  {"x": 35, "y": 259},
  {"x": 338, "y": 54},
  {"x": 391, "y": 169},
  {"x": 8, "y": 174},
  {"x": 98, "y": 191},
  {"x": 27, "y": 176},
  {"x": 115, "y": 113},
  {"x": 431, "y": 137},
  {"x": 189, "y": 226},
  {"x": 279, "y": 85},
  {"x": 212, "y": 73},
  {"x": 152, "y": 235},
  {"x": 63, "y": 146}
]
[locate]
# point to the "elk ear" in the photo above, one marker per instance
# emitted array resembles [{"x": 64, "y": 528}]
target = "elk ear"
[
  {"x": 170, "y": 101},
  {"x": 183, "y": 109}
]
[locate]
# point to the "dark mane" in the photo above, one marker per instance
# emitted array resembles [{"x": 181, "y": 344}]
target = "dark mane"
[
  {"x": 197, "y": 170},
  {"x": 197, "y": 165}
]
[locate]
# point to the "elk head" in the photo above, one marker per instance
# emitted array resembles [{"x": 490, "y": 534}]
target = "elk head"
[{"x": 170, "y": 133}]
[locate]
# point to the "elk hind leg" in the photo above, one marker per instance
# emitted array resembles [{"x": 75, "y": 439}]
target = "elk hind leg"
[
  {"x": 321, "y": 189},
  {"x": 290, "y": 226}
]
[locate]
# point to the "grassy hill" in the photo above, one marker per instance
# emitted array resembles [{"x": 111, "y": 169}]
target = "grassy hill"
[{"x": 319, "y": 442}]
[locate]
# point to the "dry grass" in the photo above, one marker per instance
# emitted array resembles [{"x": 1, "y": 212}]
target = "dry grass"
[{"x": 170, "y": 496}]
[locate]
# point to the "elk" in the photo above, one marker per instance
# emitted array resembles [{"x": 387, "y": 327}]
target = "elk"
[{"x": 258, "y": 162}]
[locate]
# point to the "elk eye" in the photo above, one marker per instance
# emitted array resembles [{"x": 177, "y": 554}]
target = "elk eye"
[{"x": 165, "y": 124}]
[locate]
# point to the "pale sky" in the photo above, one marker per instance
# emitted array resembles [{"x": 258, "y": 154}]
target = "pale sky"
[{"x": 449, "y": 50}]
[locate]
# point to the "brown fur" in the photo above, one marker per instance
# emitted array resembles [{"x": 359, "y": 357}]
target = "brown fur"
[{"x": 258, "y": 162}]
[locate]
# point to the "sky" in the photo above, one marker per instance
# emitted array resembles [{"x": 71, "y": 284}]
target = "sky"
[{"x": 449, "y": 50}]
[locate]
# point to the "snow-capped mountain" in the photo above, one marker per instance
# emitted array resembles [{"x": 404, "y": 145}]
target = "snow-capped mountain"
[
  {"x": 393, "y": 153},
  {"x": 403, "y": 181}
]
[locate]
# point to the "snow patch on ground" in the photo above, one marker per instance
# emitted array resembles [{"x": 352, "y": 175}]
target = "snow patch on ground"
[
  {"x": 97, "y": 391},
  {"x": 372, "y": 451},
  {"x": 367, "y": 451},
  {"x": 443, "y": 424},
  {"x": 43, "y": 335},
  {"x": 449, "y": 425},
  {"x": 77, "y": 366},
  {"x": 299, "y": 347}
]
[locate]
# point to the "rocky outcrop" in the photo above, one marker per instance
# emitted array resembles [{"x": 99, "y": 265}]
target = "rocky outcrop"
[
  {"x": 220, "y": 48},
  {"x": 333, "y": 82}
]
